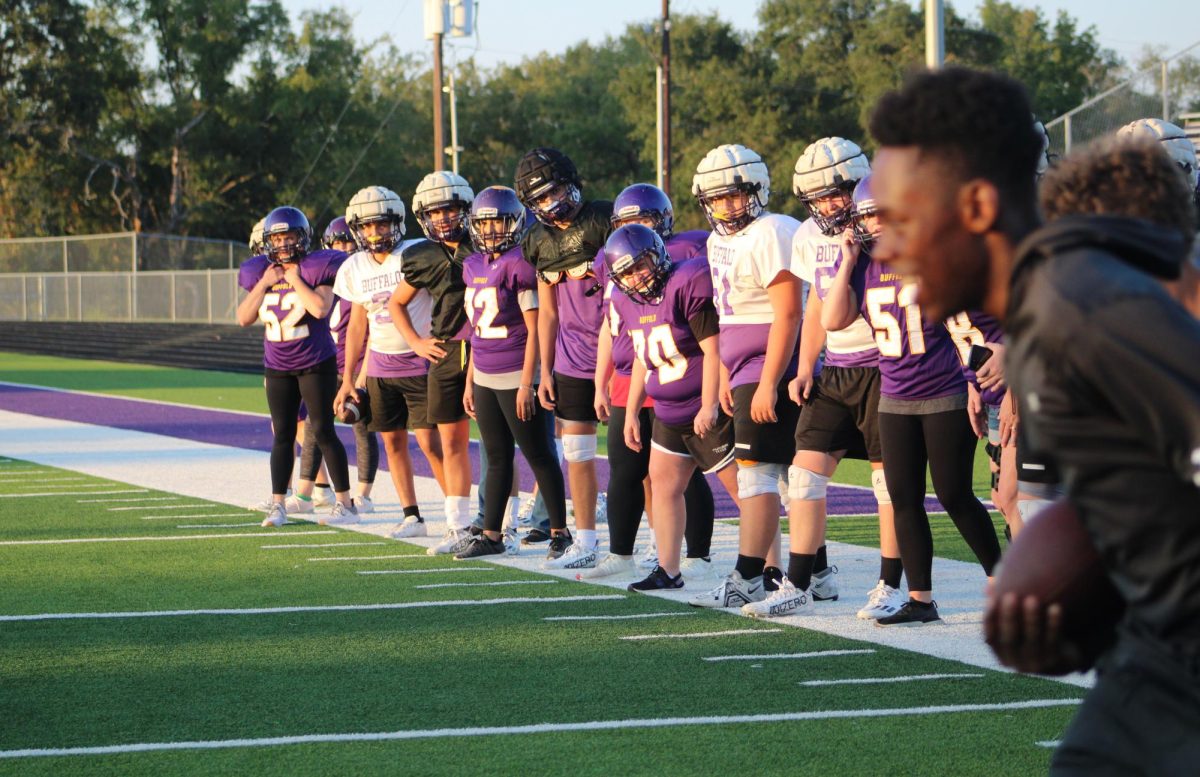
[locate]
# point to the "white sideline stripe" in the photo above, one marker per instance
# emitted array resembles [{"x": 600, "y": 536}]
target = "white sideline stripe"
[
  {"x": 539, "y": 728},
  {"x": 616, "y": 617},
  {"x": 76, "y": 493},
  {"x": 63, "y": 616},
  {"x": 358, "y": 558},
  {"x": 911, "y": 678},
  {"x": 423, "y": 571},
  {"x": 1051, "y": 743},
  {"x": 219, "y": 525},
  {"x": 156, "y": 507},
  {"x": 729, "y": 633},
  {"x": 812, "y": 654},
  {"x": 128, "y": 499},
  {"x": 320, "y": 545},
  {"x": 11, "y": 477},
  {"x": 199, "y": 515},
  {"x": 482, "y": 585},
  {"x": 154, "y": 539}
]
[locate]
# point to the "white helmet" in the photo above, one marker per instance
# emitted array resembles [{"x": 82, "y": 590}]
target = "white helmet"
[
  {"x": 376, "y": 203},
  {"x": 256, "y": 237},
  {"x": 827, "y": 167},
  {"x": 443, "y": 189},
  {"x": 727, "y": 169},
  {"x": 1174, "y": 141},
  {"x": 1043, "y": 163}
]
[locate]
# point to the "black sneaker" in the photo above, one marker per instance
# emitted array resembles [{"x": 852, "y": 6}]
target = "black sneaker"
[
  {"x": 535, "y": 537},
  {"x": 558, "y": 544},
  {"x": 481, "y": 545},
  {"x": 658, "y": 580},
  {"x": 912, "y": 613}
]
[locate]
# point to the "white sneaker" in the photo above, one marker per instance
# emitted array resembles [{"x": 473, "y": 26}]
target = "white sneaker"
[
  {"x": 578, "y": 556},
  {"x": 364, "y": 504},
  {"x": 733, "y": 591},
  {"x": 276, "y": 516},
  {"x": 649, "y": 558},
  {"x": 411, "y": 527},
  {"x": 294, "y": 504},
  {"x": 608, "y": 566},
  {"x": 601, "y": 507},
  {"x": 323, "y": 497},
  {"x": 824, "y": 585},
  {"x": 525, "y": 514},
  {"x": 453, "y": 541},
  {"x": 882, "y": 601},
  {"x": 340, "y": 515},
  {"x": 511, "y": 539},
  {"x": 265, "y": 505},
  {"x": 697, "y": 570},
  {"x": 787, "y": 599}
]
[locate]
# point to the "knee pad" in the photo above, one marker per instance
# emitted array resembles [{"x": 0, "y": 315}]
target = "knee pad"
[
  {"x": 758, "y": 478},
  {"x": 879, "y": 486},
  {"x": 578, "y": 447},
  {"x": 805, "y": 484},
  {"x": 1029, "y": 508}
]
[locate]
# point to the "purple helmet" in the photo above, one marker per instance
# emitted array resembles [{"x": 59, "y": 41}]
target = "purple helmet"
[
  {"x": 338, "y": 231},
  {"x": 644, "y": 200},
  {"x": 639, "y": 263},
  {"x": 864, "y": 205},
  {"x": 491, "y": 204},
  {"x": 282, "y": 221}
]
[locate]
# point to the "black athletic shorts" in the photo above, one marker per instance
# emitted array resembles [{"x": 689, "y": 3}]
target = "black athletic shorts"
[
  {"x": 398, "y": 403},
  {"x": 712, "y": 452},
  {"x": 446, "y": 382},
  {"x": 575, "y": 398},
  {"x": 842, "y": 414},
  {"x": 773, "y": 443}
]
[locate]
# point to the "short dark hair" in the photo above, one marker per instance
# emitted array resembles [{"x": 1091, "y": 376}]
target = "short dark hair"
[
  {"x": 1131, "y": 177},
  {"x": 979, "y": 123}
]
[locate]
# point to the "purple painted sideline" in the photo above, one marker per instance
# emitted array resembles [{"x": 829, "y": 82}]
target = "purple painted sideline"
[{"x": 241, "y": 431}]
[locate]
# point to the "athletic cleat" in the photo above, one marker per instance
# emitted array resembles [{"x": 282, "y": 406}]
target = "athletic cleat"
[
  {"x": 882, "y": 601},
  {"x": 453, "y": 541},
  {"x": 697, "y": 569},
  {"x": 525, "y": 514},
  {"x": 364, "y": 504},
  {"x": 559, "y": 544},
  {"x": 824, "y": 585},
  {"x": 276, "y": 516},
  {"x": 534, "y": 537},
  {"x": 658, "y": 580},
  {"x": 340, "y": 515},
  {"x": 733, "y": 591},
  {"x": 412, "y": 526},
  {"x": 265, "y": 505},
  {"x": 323, "y": 497},
  {"x": 575, "y": 557},
  {"x": 608, "y": 566},
  {"x": 511, "y": 540},
  {"x": 480, "y": 546},
  {"x": 649, "y": 559},
  {"x": 912, "y": 613},
  {"x": 786, "y": 600},
  {"x": 294, "y": 504}
]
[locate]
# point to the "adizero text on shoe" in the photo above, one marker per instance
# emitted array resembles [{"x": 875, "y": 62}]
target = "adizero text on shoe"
[
  {"x": 575, "y": 557},
  {"x": 882, "y": 601},
  {"x": 733, "y": 591},
  {"x": 912, "y": 613},
  {"x": 411, "y": 527},
  {"x": 453, "y": 541},
  {"x": 480, "y": 546},
  {"x": 658, "y": 580},
  {"x": 824, "y": 585},
  {"x": 787, "y": 599},
  {"x": 340, "y": 515},
  {"x": 608, "y": 566},
  {"x": 296, "y": 505},
  {"x": 277, "y": 516},
  {"x": 558, "y": 545}
]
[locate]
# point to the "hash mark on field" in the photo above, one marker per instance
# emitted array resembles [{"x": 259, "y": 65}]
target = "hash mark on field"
[
  {"x": 61, "y": 616},
  {"x": 539, "y": 728},
  {"x": 128, "y": 499},
  {"x": 878, "y": 680},
  {"x": 1050, "y": 743},
  {"x": 358, "y": 558},
  {"x": 729, "y": 633},
  {"x": 154, "y": 539},
  {"x": 320, "y": 545},
  {"x": 10, "y": 477},
  {"x": 156, "y": 507},
  {"x": 423, "y": 571},
  {"x": 77, "y": 493},
  {"x": 198, "y": 515},
  {"x": 616, "y": 617},
  {"x": 482, "y": 585},
  {"x": 813, "y": 654},
  {"x": 222, "y": 525}
]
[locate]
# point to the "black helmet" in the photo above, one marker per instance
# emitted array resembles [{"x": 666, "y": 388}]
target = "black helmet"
[{"x": 541, "y": 169}]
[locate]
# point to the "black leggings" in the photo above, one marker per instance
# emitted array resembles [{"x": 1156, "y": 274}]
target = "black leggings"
[
  {"x": 317, "y": 389},
  {"x": 366, "y": 453},
  {"x": 499, "y": 428},
  {"x": 627, "y": 499},
  {"x": 944, "y": 441}
]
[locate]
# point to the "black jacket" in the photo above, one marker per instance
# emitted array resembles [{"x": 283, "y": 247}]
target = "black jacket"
[{"x": 1107, "y": 370}]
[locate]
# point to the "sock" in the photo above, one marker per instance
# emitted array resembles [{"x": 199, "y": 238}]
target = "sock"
[
  {"x": 587, "y": 538},
  {"x": 749, "y": 567},
  {"x": 822, "y": 561},
  {"x": 890, "y": 570},
  {"x": 453, "y": 517},
  {"x": 413, "y": 510},
  {"x": 800, "y": 569},
  {"x": 303, "y": 498},
  {"x": 464, "y": 511},
  {"x": 772, "y": 577}
]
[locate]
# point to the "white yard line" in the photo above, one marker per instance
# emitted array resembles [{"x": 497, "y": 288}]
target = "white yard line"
[
  {"x": 539, "y": 728},
  {"x": 364, "y": 558},
  {"x": 75, "y": 540},
  {"x": 74, "y": 493},
  {"x": 912, "y": 678},
  {"x": 221, "y": 525},
  {"x": 128, "y": 499},
  {"x": 422, "y": 571},
  {"x": 616, "y": 617},
  {"x": 318, "y": 545},
  {"x": 178, "y": 517},
  {"x": 811, "y": 654},
  {"x": 1051, "y": 743},
  {"x": 487, "y": 585},
  {"x": 42, "y": 478},
  {"x": 135, "y": 508},
  {"x": 730, "y": 633}
]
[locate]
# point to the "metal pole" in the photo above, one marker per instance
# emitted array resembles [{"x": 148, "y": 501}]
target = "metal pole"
[
  {"x": 172, "y": 296},
  {"x": 24, "y": 297},
  {"x": 129, "y": 292},
  {"x": 133, "y": 238},
  {"x": 935, "y": 40},
  {"x": 209, "y": 279},
  {"x": 658, "y": 127},
  {"x": 453, "y": 123},
  {"x": 65, "y": 267},
  {"x": 1067, "y": 134},
  {"x": 665, "y": 163},
  {"x": 439, "y": 142},
  {"x": 1166, "y": 95}
]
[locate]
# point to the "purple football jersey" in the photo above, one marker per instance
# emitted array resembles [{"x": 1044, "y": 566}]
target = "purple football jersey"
[
  {"x": 293, "y": 339},
  {"x": 973, "y": 327},
  {"x": 917, "y": 360},
  {"x": 339, "y": 326},
  {"x": 664, "y": 342},
  {"x": 579, "y": 319},
  {"x": 498, "y": 332}
]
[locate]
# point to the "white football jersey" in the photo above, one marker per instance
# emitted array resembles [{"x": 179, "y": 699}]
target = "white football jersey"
[
  {"x": 366, "y": 282},
  {"x": 816, "y": 258},
  {"x": 744, "y": 264}
]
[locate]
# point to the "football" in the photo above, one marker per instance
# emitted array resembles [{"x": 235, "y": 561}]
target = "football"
[
  {"x": 1053, "y": 558},
  {"x": 355, "y": 408}
]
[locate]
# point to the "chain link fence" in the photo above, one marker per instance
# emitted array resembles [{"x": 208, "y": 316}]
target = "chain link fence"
[
  {"x": 122, "y": 251},
  {"x": 202, "y": 296}
]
